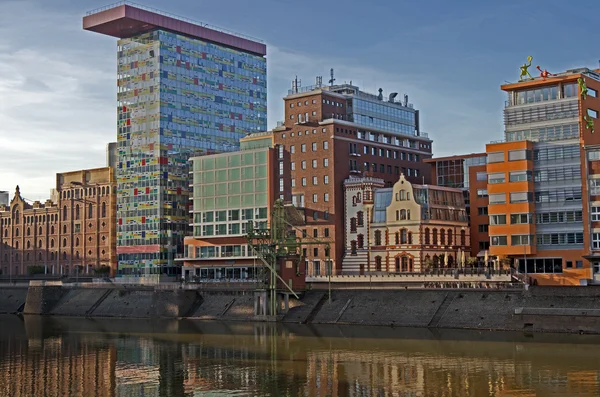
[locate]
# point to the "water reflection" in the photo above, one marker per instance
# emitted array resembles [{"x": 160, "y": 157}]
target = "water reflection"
[{"x": 83, "y": 357}]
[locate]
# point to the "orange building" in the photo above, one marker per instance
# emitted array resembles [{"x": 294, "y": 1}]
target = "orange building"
[
  {"x": 467, "y": 172},
  {"x": 544, "y": 179}
]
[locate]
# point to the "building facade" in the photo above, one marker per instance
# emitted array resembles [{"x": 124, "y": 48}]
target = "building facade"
[
  {"x": 331, "y": 133},
  {"x": 404, "y": 228},
  {"x": 231, "y": 193},
  {"x": 75, "y": 235},
  {"x": 467, "y": 172},
  {"x": 184, "y": 89},
  {"x": 542, "y": 179}
]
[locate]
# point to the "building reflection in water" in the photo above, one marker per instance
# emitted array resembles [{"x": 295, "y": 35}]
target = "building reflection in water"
[{"x": 56, "y": 357}]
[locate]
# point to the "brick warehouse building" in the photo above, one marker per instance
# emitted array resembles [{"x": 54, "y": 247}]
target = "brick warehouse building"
[
  {"x": 74, "y": 235},
  {"x": 333, "y": 132}
]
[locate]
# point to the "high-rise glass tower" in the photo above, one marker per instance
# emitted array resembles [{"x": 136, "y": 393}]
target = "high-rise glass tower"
[{"x": 184, "y": 90}]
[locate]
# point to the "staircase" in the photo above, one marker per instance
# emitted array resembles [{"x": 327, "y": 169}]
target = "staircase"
[
  {"x": 351, "y": 263},
  {"x": 435, "y": 320},
  {"x": 99, "y": 302}
]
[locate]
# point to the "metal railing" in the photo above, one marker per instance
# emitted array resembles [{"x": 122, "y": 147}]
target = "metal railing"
[{"x": 170, "y": 15}]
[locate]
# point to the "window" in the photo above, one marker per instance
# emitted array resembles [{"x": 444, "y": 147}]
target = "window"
[
  {"x": 498, "y": 177},
  {"x": 77, "y": 214},
  {"x": 595, "y": 213},
  {"x": 103, "y": 211},
  {"x": 435, "y": 236},
  {"x": 303, "y": 164},
  {"x": 579, "y": 264},
  {"x": 497, "y": 219},
  {"x": 303, "y": 181},
  {"x": 520, "y": 176},
  {"x": 497, "y": 157},
  {"x": 325, "y": 162},
  {"x": 280, "y": 151},
  {"x": 377, "y": 237},
  {"x": 482, "y": 210},
  {"x": 326, "y": 180},
  {"x": 520, "y": 197},
  {"x": 281, "y": 168},
  {"x": 483, "y": 228},
  {"x": 520, "y": 219},
  {"x": 499, "y": 240},
  {"x": 303, "y": 148},
  {"x": 325, "y": 145},
  {"x": 90, "y": 211},
  {"x": 292, "y": 149},
  {"x": 427, "y": 236},
  {"x": 520, "y": 239},
  {"x": 314, "y": 163},
  {"x": 481, "y": 176},
  {"x": 592, "y": 113},
  {"x": 559, "y": 238},
  {"x": 314, "y": 146},
  {"x": 326, "y": 197},
  {"x": 315, "y": 198},
  {"x": 64, "y": 214},
  {"x": 482, "y": 193},
  {"x": 498, "y": 198},
  {"x": 315, "y": 180},
  {"x": 522, "y": 154},
  {"x": 293, "y": 166},
  {"x": 281, "y": 184}
]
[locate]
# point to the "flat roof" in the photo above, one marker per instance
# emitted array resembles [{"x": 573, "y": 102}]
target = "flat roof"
[
  {"x": 567, "y": 76},
  {"x": 125, "y": 19},
  {"x": 454, "y": 157}
]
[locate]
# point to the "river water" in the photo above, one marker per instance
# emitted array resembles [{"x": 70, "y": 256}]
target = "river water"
[{"x": 55, "y": 356}]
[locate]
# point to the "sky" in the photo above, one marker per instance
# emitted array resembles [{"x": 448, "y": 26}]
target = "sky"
[{"x": 58, "y": 82}]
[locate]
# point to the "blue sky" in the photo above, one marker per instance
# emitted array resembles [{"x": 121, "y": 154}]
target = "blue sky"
[{"x": 58, "y": 89}]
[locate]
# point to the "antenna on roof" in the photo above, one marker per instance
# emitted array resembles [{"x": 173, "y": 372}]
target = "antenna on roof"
[
  {"x": 332, "y": 80},
  {"x": 405, "y": 100},
  {"x": 295, "y": 84},
  {"x": 380, "y": 96},
  {"x": 319, "y": 81}
]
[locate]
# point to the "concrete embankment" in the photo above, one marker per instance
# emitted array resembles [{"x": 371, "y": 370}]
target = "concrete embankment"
[{"x": 540, "y": 309}]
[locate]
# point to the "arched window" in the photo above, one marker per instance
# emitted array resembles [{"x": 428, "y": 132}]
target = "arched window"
[
  {"x": 354, "y": 201},
  {"x": 402, "y": 214},
  {"x": 449, "y": 236},
  {"x": 397, "y": 215},
  {"x": 17, "y": 232},
  {"x": 378, "y": 263},
  {"x": 377, "y": 237},
  {"x": 442, "y": 237},
  {"x": 108, "y": 190},
  {"x": 41, "y": 230},
  {"x": 52, "y": 229},
  {"x": 52, "y": 257},
  {"x": 435, "y": 236},
  {"x": 427, "y": 236},
  {"x": 409, "y": 237},
  {"x": 77, "y": 212},
  {"x": 408, "y": 214},
  {"x": 17, "y": 219},
  {"x": 52, "y": 243},
  {"x": 104, "y": 210},
  {"x": 360, "y": 239},
  {"x": 65, "y": 217},
  {"x": 397, "y": 238},
  {"x": 90, "y": 211},
  {"x": 77, "y": 255},
  {"x": 397, "y": 264},
  {"x": 64, "y": 256},
  {"x": 16, "y": 245},
  {"x": 40, "y": 244},
  {"x": 64, "y": 229},
  {"x": 463, "y": 237},
  {"x": 28, "y": 232},
  {"x": 40, "y": 256},
  {"x": 77, "y": 242},
  {"x": 403, "y": 236},
  {"x": 64, "y": 242},
  {"x": 358, "y": 197}
]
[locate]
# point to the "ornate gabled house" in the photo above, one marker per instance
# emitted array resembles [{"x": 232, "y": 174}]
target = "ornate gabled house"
[{"x": 406, "y": 228}]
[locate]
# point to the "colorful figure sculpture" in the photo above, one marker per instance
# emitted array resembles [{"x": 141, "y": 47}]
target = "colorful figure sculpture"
[
  {"x": 589, "y": 123},
  {"x": 582, "y": 88},
  {"x": 525, "y": 69},
  {"x": 544, "y": 73}
]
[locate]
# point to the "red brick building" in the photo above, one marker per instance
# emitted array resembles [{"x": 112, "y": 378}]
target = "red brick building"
[
  {"x": 331, "y": 133},
  {"x": 75, "y": 235}
]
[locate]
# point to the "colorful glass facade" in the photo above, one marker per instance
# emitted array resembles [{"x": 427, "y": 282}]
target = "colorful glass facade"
[{"x": 178, "y": 97}]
